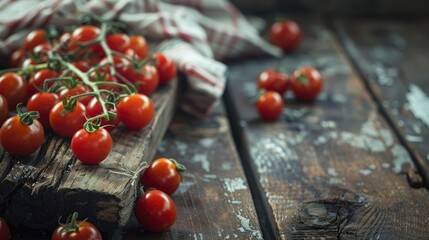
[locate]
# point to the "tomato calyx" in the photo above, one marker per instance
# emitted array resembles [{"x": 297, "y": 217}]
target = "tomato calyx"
[
  {"x": 26, "y": 118},
  {"x": 179, "y": 167},
  {"x": 302, "y": 79},
  {"x": 71, "y": 224}
]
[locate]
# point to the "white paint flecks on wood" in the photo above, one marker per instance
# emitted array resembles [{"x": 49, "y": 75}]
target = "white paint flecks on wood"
[
  {"x": 203, "y": 159},
  {"x": 247, "y": 227},
  {"x": 332, "y": 172},
  {"x": 182, "y": 147},
  {"x": 400, "y": 158},
  {"x": 365, "y": 172},
  {"x": 418, "y": 103},
  {"x": 207, "y": 142},
  {"x": 234, "y": 184}
]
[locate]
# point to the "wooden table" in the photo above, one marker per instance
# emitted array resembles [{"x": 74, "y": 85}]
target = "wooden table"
[{"x": 352, "y": 165}]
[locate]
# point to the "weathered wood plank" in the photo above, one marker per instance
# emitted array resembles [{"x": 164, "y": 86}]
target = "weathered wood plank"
[
  {"x": 332, "y": 169},
  {"x": 36, "y": 191},
  {"x": 393, "y": 57},
  {"x": 214, "y": 201}
]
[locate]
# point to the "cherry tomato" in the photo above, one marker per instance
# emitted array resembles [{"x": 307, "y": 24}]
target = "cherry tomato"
[
  {"x": 78, "y": 89},
  {"x": 4, "y": 109},
  {"x": 29, "y": 62},
  {"x": 21, "y": 139},
  {"x": 93, "y": 108},
  {"x": 162, "y": 174},
  {"x": 84, "y": 34},
  {"x": 270, "y": 105},
  {"x": 34, "y": 38},
  {"x": 16, "y": 58},
  {"x": 91, "y": 148},
  {"x": 166, "y": 68},
  {"x": 39, "y": 79},
  {"x": 148, "y": 80},
  {"x": 285, "y": 34},
  {"x": 43, "y": 102},
  {"x": 155, "y": 211},
  {"x": 139, "y": 45},
  {"x": 82, "y": 65},
  {"x": 76, "y": 230},
  {"x": 271, "y": 80},
  {"x": 121, "y": 66},
  {"x": 4, "y": 230},
  {"x": 14, "y": 88},
  {"x": 118, "y": 42},
  {"x": 66, "y": 125},
  {"x": 135, "y": 111},
  {"x": 306, "y": 83},
  {"x": 41, "y": 50},
  {"x": 105, "y": 77}
]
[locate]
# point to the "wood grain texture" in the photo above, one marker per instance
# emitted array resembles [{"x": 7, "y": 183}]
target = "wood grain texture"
[
  {"x": 213, "y": 201},
  {"x": 332, "y": 169},
  {"x": 37, "y": 190},
  {"x": 393, "y": 57}
]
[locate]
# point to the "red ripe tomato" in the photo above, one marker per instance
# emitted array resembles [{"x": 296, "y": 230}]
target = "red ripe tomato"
[
  {"x": 118, "y": 42},
  {"x": 42, "y": 49},
  {"x": 21, "y": 139},
  {"x": 162, "y": 174},
  {"x": 147, "y": 82},
  {"x": 285, "y": 34},
  {"x": 78, "y": 89},
  {"x": 271, "y": 80},
  {"x": 139, "y": 45},
  {"x": 76, "y": 230},
  {"x": 4, "y": 109},
  {"x": 4, "y": 230},
  {"x": 306, "y": 83},
  {"x": 34, "y": 38},
  {"x": 135, "y": 111},
  {"x": 166, "y": 68},
  {"x": 93, "y": 108},
  {"x": 91, "y": 148},
  {"x": 16, "y": 58},
  {"x": 29, "y": 62},
  {"x": 270, "y": 105},
  {"x": 38, "y": 80},
  {"x": 66, "y": 125},
  {"x": 155, "y": 211},
  {"x": 82, "y": 65},
  {"x": 105, "y": 77},
  {"x": 85, "y": 34},
  {"x": 43, "y": 102},
  {"x": 121, "y": 66},
  {"x": 14, "y": 88}
]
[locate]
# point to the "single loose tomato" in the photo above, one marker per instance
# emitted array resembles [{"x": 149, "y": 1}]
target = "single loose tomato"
[
  {"x": 285, "y": 34},
  {"x": 14, "y": 88},
  {"x": 76, "y": 230},
  {"x": 78, "y": 89},
  {"x": 66, "y": 125},
  {"x": 148, "y": 80},
  {"x": 135, "y": 111},
  {"x": 4, "y": 109},
  {"x": 34, "y": 38},
  {"x": 139, "y": 45},
  {"x": 43, "y": 102},
  {"x": 93, "y": 108},
  {"x": 16, "y": 58},
  {"x": 271, "y": 80},
  {"x": 4, "y": 230},
  {"x": 155, "y": 211},
  {"x": 270, "y": 105},
  {"x": 91, "y": 147},
  {"x": 22, "y": 135},
  {"x": 306, "y": 83},
  {"x": 36, "y": 82},
  {"x": 166, "y": 68},
  {"x": 163, "y": 174},
  {"x": 118, "y": 42}
]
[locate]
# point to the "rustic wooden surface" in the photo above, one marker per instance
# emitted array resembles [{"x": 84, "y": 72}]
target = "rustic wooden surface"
[
  {"x": 393, "y": 57},
  {"x": 332, "y": 169},
  {"x": 36, "y": 191}
]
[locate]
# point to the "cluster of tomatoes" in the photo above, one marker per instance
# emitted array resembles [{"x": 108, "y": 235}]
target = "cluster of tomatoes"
[
  {"x": 305, "y": 82},
  {"x": 81, "y": 84}
]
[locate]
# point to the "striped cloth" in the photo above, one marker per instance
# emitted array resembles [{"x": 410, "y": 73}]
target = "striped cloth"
[{"x": 197, "y": 34}]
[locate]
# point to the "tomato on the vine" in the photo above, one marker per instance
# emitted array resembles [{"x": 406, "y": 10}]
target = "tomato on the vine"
[
  {"x": 147, "y": 81},
  {"x": 78, "y": 89},
  {"x": 118, "y": 42},
  {"x": 43, "y": 102},
  {"x": 14, "y": 88},
  {"x": 16, "y": 58},
  {"x": 166, "y": 68},
  {"x": 34, "y": 38},
  {"x": 139, "y": 45},
  {"x": 306, "y": 83},
  {"x": 66, "y": 125},
  {"x": 163, "y": 174},
  {"x": 271, "y": 80},
  {"x": 91, "y": 147},
  {"x": 86, "y": 34},
  {"x": 135, "y": 111},
  {"x": 76, "y": 230},
  {"x": 36, "y": 82},
  {"x": 270, "y": 105},
  {"x": 285, "y": 34},
  {"x": 106, "y": 77},
  {"x": 4, "y": 230},
  {"x": 155, "y": 211},
  {"x": 4, "y": 109},
  {"x": 22, "y": 135},
  {"x": 93, "y": 108}
]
